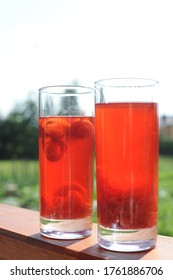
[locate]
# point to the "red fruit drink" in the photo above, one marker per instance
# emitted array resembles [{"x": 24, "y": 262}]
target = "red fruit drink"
[
  {"x": 127, "y": 164},
  {"x": 66, "y": 147}
]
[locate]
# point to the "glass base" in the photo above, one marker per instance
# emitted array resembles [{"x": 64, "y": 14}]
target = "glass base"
[
  {"x": 66, "y": 229},
  {"x": 127, "y": 240}
]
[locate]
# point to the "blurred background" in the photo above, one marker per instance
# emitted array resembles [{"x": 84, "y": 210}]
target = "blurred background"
[{"x": 46, "y": 42}]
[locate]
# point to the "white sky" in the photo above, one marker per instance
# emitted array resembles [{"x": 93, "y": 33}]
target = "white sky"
[{"x": 44, "y": 42}]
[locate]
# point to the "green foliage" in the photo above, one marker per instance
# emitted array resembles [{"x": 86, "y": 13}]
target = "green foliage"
[
  {"x": 19, "y": 133},
  {"x": 166, "y": 146}
]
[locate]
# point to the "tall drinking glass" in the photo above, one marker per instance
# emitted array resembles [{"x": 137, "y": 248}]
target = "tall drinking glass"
[
  {"x": 126, "y": 120},
  {"x": 66, "y": 155}
]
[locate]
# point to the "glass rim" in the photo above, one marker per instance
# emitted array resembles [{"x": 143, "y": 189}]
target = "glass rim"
[
  {"x": 50, "y": 89},
  {"x": 126, "y": 82}
]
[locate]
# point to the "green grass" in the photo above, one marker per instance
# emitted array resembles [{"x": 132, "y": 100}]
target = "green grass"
[
  {"x": 165, "y": 224},
  {"x": 19, "y": 186},
  {"x": 19, "y": 183}
]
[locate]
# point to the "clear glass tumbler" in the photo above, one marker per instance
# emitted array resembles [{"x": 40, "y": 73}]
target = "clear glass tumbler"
[
  {"x": 66, "y": 157},
  {"x": 126, "y": 121}
]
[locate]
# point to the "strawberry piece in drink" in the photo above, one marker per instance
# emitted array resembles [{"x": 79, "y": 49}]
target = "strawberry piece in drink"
[
  {"x": 55, "y": 128},
  {"x": 53, "y": 143},
  {"x": 72, "y": 202},
  {"x": 54, "y": 150},
  {"x": 81, "y": 128}
]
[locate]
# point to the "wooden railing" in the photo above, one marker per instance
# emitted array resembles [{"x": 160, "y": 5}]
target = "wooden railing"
[{"x": 20, "y": 239}]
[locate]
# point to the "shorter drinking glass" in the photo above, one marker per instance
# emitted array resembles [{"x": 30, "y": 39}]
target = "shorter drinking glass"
[
  {"x": 66, "y": 157},
  {"x": 126, "y": 120}
]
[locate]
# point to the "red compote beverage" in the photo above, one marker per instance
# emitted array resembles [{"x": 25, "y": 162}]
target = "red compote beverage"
[
  {"x": 127, "y": 162},
  {"x": 66, "y": 149}
]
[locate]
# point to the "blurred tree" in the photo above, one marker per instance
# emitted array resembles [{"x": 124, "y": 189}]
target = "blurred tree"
[
  {"x": 19, "y": 132},
  {"x": 69, "y": 102}
]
